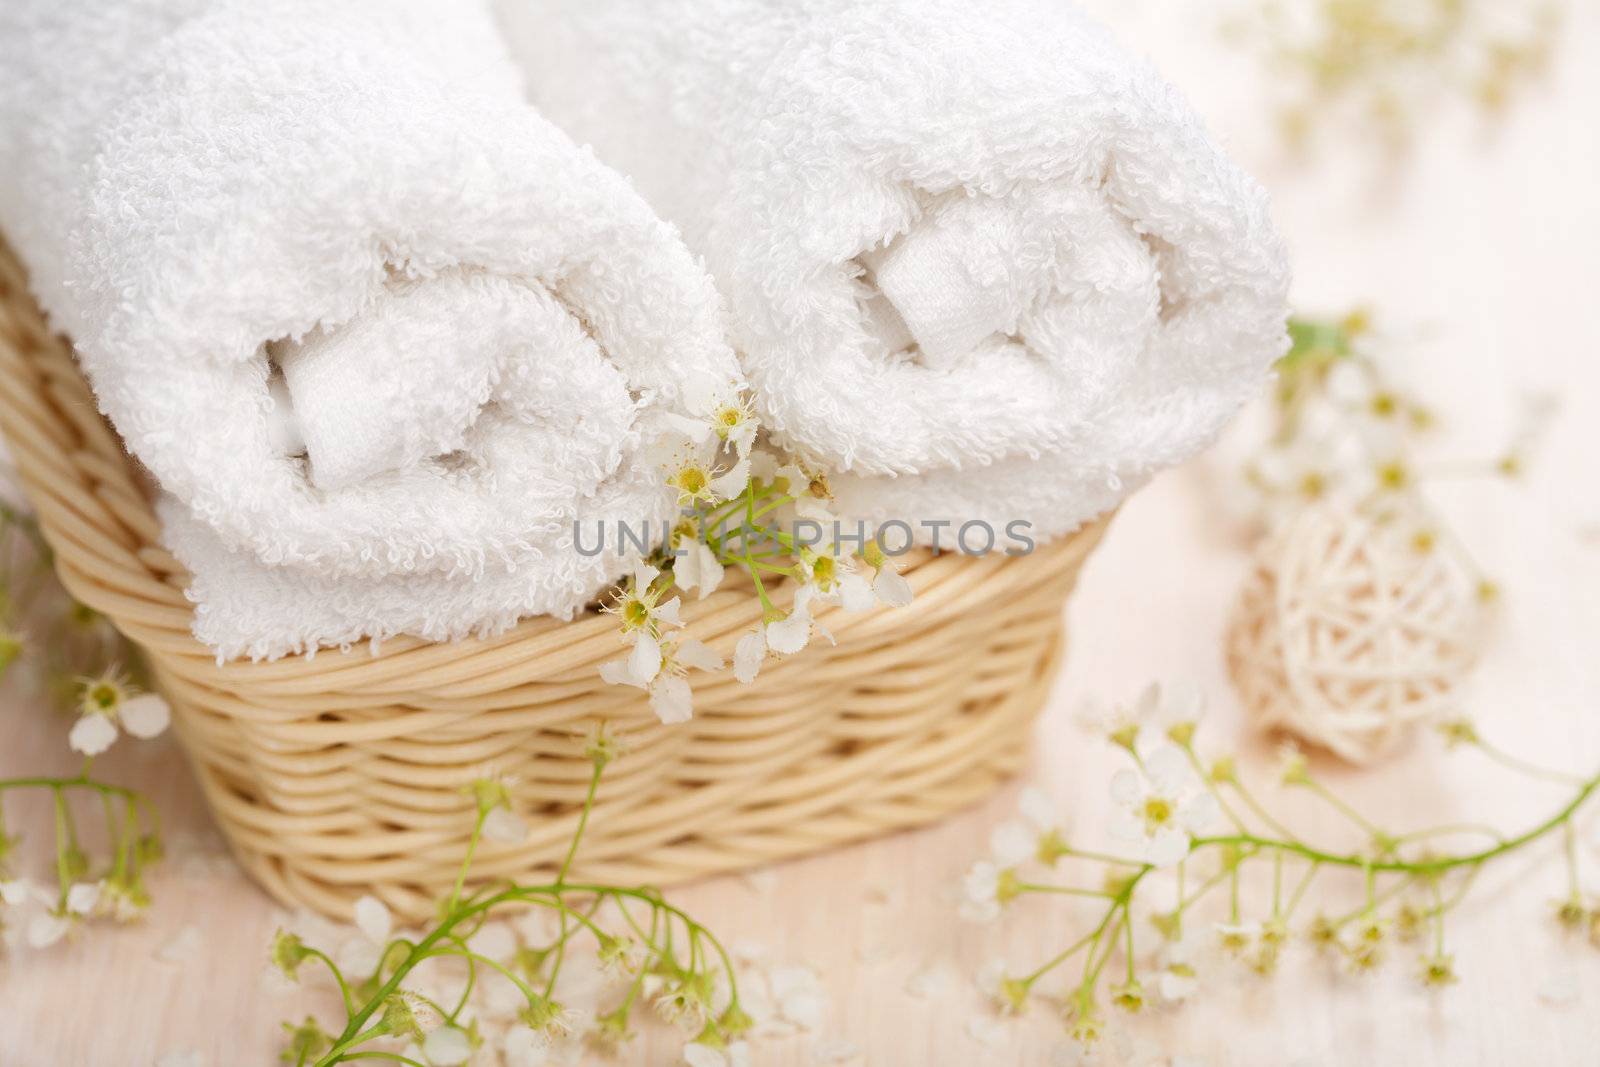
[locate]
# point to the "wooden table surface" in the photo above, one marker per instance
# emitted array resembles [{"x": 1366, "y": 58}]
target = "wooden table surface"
[{"x": 1485, "y": 250}]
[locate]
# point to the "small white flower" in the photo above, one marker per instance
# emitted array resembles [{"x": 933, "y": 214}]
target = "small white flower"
[
  {"x": 717, "y": 407},
  {"x": 1121, "y": 724},
  {"x": 810, "y": 490},
  {"x": 983, "y": 892},
  {"x": 1037, "y": 808},
  {"x": 1013, "y": 843},
  {"x": 659, "y": 669},
  {"x": 991, "y": 978},
  {"x": 1159, "y": 808},
  {"x": 83, "y": 897},
  {"x": 1235, "y": 937},
  {"x": 447, "y": 1047},
  {"x": 1018, "y": 840},
  {"x": 695, "y": 470},
  {"x": 1178, "y": 979},
  {"x": 107, "y": 702},
  {"x": 46, "y": 928},
  {"x": 785, "y": 636},
  {"x": 18, "y": 891}
]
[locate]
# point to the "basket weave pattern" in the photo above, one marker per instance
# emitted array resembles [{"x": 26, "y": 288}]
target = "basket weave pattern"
[{"x": 341, "y": 773}]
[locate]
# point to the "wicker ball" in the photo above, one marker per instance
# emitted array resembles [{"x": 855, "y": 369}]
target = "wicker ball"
[{"x": 1352, "y": 627}]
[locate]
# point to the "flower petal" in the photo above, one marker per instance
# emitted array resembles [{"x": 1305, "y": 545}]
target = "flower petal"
[
  {"x": 644, "y": 662},
  {"x": 82, "y": 897},
  {"x": 1036, "y": 806},
  {"x": 696, "y": 430},
  {"x": 446, "y": 1047},
  {"x": 1169, "y": 771},
  {"x": 1200, "y": 813},
  {"x": 855, "y": 592},
  {"x": 789, "y": 635},
  {"x": 1126, "y": 787},
  {"x": 92, "y": 734},
  {"x": 45, "y": 929},
  {"x": 145, "y": 716},
  {"x": 373, "y": 919},
  {"x": 692, "y": 653},
  {"x": 671, "y": 699},
  {"x": 643, "y": 576},
  {"x": 617, "y": 672},
  {"x": 747, "y": 656},
  {"x": 1124, "y": 825},
  {"x": 1012, "y": 843},
  {"x": 729, "y": 485},
  {"x": 892, "y": 588},
  {"x": 1168, "y": 846},
  {"x": 668, "y": 612}
]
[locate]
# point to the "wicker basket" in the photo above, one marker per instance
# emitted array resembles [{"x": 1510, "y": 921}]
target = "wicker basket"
[{"x": 340, "y": 774}]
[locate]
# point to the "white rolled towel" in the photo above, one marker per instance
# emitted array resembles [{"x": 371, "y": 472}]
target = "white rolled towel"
[
  {"x": 974, "y": 254},
  {"x": 283, "y": 225}
]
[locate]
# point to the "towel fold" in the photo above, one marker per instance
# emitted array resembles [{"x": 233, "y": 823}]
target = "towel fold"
[
  {"x": 975, "y": 255},
  {"x": 382, "y": 332}
]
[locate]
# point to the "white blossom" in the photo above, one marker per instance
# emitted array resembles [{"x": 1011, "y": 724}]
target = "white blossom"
[
  {"x": 981, "y": 892},
  {"x": 105, "y": 705},
  {"x": 1160, "y": 805}
]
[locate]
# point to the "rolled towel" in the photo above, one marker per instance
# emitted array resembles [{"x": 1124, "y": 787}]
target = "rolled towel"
[
  {"x": 974, "y": 254},
  {"x": 283, "y": 225}
]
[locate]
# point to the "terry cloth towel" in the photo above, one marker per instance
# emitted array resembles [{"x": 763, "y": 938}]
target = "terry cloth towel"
[
  {"x": 276, "y": 227},
  {"x": 974, "y": 254}
]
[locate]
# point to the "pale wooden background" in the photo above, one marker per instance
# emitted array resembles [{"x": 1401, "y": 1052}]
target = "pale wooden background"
[{"x": 1485, "y": 248}]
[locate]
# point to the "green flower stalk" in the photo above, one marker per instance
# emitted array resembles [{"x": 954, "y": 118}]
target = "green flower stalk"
[
  {"x": 656, "y": 947},
  {"x": 1412, "y": 885}
]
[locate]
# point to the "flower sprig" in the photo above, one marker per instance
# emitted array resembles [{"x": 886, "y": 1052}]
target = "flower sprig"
[
  {"x": 94, "y": 874},
  {"x": 749, "y": 508},
  {"x": 658, "y": 955},
  {"x": 1345, "y": 432},
  {"x": 1381, "y": 63},
  {"x": 1192, "y": 814}
]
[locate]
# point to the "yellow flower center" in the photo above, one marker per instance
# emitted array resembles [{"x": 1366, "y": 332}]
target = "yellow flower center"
[
  {"x": 1157, "y": 812},
  {"x": 693, "y": 480},
  {"x": 104, "y": 696},
  {"x": 1393, "y": 475},
  {"x": 730, "y": 417},
  {"x": 635, "y": 613}
]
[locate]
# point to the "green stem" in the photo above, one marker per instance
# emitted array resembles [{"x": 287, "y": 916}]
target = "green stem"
[{"x": 1426, "y": 866}]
